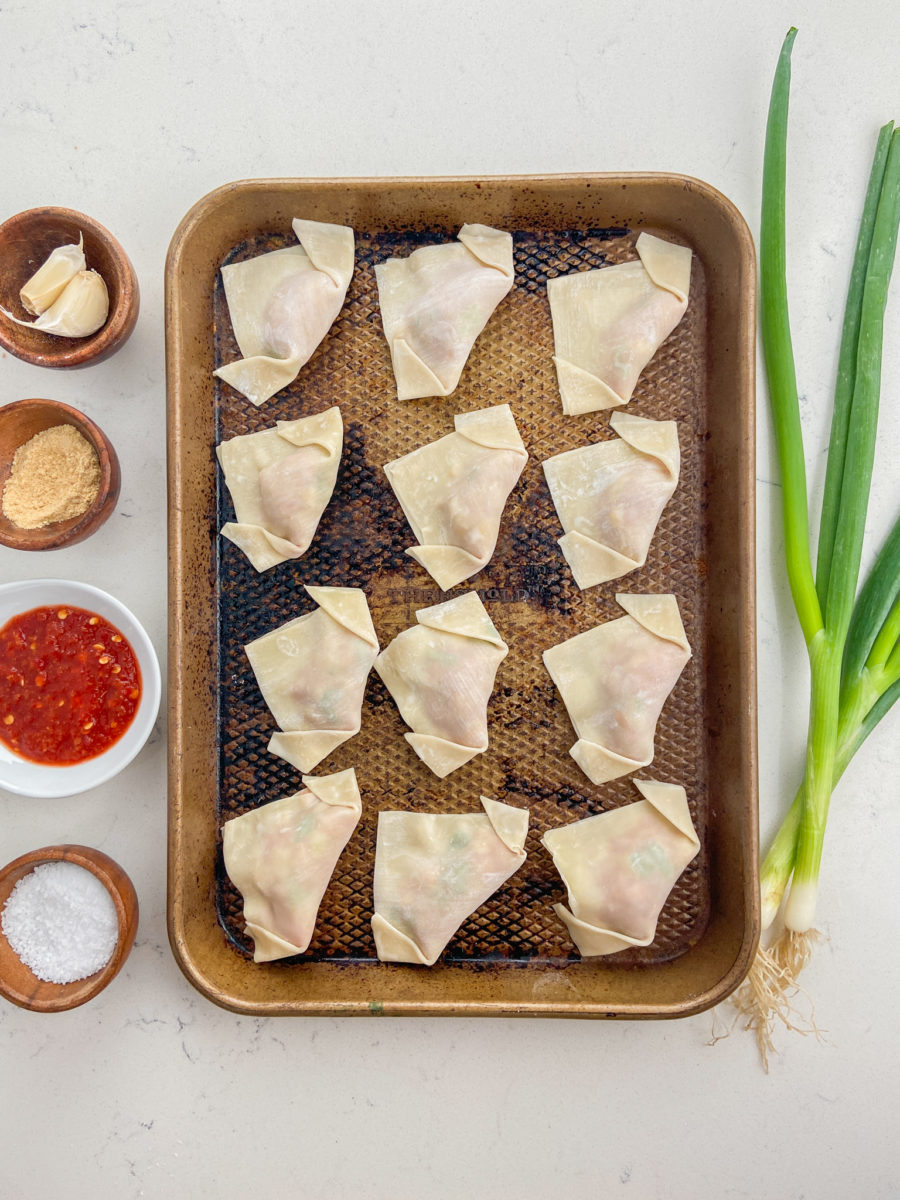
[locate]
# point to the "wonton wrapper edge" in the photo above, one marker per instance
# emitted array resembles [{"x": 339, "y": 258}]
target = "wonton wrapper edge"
[
  {"x": 658, "y": 613},
  {"x": 441, "y": 755},
  {"x": 392, "y": 946},
  {"x": 485, "y": 242},
  {"x": 510, "y": 823},
  {"x": 667, "y": 263},
  {"x": 348, "y": 607},
  {"x": 464, "y": 615},
  {"x": 340, "y": 789}
]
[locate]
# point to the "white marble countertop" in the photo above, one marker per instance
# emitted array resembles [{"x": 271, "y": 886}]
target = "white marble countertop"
[{"x": 133, "y": 111}]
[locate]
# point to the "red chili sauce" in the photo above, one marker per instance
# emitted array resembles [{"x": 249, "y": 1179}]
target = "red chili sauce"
[{"x": 70, "y": 685}]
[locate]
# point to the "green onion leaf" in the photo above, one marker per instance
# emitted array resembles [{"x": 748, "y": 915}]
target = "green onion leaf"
[
  {"x": 846, "y": 373},
  {"x": 872, "y": 621},
  {"x": 779, "y": 354},
  {"x": 862, "y": 424}
]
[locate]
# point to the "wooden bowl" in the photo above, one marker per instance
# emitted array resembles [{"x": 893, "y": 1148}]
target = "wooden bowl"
[
  {"x": 20, "y": 421},
  {"x": 17, "y": 982},
  {"x": 26, "y": 241}
]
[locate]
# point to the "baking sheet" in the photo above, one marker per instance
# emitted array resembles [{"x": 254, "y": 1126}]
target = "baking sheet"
[{"x": 514, "y": 942}]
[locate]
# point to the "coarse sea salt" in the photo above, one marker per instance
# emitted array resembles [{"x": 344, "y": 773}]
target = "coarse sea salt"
[{"x": 61, "y": 922}]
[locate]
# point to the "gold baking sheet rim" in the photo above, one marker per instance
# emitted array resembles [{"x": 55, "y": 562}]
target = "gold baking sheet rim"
[{"x": 715, "y": 964}]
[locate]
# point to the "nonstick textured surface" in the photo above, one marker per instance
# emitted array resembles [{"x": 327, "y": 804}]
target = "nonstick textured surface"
[{"x": 527, "y": 588}]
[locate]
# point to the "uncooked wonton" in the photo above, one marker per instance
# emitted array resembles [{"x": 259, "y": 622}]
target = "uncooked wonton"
[
  {"x": 608, "y": 323},
  {"x": 609, "y": 496},
  {"x": 312, "y": 673},
  {"x": 614, "y": 680},
  {"x": 441, "y": 674},
  {"x": 282, "y": 304},
  {"x": 453, "y": 492},
  {"x": 620, "y": 866},
  {"x": 432, "y": 871},
  {"x": 435, "y": 303},
  {"x": 282, "y": 855},
  {"x": 280, "y": 481}
]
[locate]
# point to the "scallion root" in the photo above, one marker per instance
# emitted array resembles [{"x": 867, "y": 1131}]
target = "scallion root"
[
  {"x": 770, "y": 991},
  {"x": 792, "y": 951}
]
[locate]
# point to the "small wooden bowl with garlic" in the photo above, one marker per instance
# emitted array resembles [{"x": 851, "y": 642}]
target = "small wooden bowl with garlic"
[{"x": 63, "y": 293}]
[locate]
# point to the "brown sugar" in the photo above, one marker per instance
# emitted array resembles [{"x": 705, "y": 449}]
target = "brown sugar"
[{"x": 55, "y": 476}]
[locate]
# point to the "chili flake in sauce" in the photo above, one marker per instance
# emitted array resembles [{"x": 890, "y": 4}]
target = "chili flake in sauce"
[{"x": 70, "y": 685}]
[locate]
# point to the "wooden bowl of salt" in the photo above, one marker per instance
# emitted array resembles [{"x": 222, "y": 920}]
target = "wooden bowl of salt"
[
  {"x": 63, "y": 922},
  {"x": 53, "y": 475}
]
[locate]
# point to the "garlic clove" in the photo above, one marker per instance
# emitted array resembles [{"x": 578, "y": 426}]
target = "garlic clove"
[
  {"x": 47, "y": 283},
  {"x": 80, "y": 310}
]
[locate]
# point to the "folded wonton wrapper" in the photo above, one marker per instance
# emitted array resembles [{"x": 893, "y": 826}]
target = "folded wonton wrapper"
[
  {"x": 312, "y": 673},
  {"x": 453, "y": 491},
  {"x": 282, "y": 855},
  {"x": 608, "y": 323},
  {"x": 620, "y": 866},
  {"x": 433, "y": 871},
  {"x": 282, "y": 304},
  {"x": 435, "y": 303},
  {"x": 609, "y": 497},
  {"x": 280, "y": 482},
  {"x": 441, "y": 674},
  {"x": 614, "y": 680}
]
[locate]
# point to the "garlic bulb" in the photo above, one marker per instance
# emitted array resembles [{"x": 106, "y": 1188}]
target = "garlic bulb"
[
  {"x": 48, "y": 282},
  {"x": 80, "y": 310}
]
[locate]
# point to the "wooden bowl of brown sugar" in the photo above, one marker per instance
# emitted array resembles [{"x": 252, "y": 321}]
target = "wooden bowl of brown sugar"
[
  {"x": 26, "y": 241},
  {"x": 54, "y": 463}
]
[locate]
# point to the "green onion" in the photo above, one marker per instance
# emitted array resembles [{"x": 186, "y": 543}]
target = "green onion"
[
  {"x": 853, "y": 642},
  {"x": 871, "y": 685}
]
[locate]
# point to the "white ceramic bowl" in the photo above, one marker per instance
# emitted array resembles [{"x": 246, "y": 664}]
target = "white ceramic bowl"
[{"x": 36, "y": 779}]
